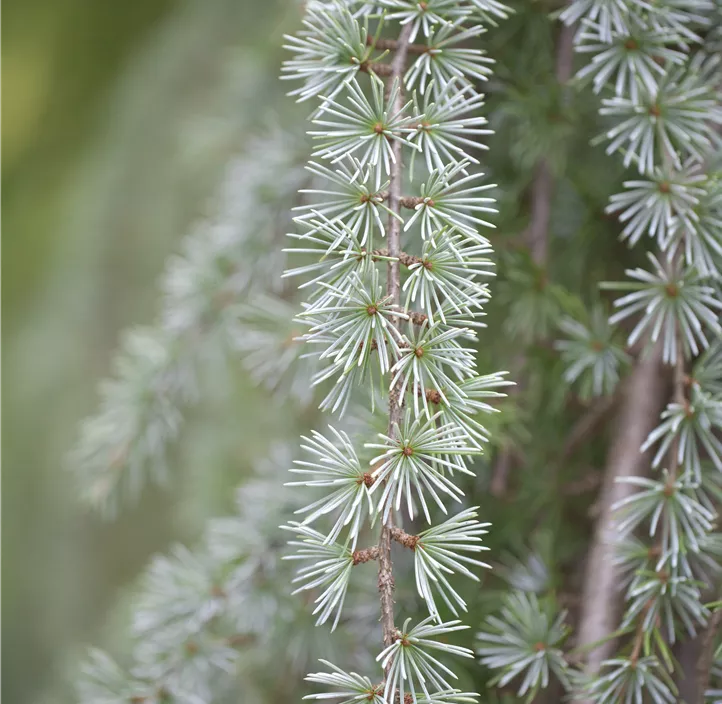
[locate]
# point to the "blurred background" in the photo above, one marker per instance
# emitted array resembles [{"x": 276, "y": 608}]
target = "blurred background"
[{"x": 118, "y": 122}]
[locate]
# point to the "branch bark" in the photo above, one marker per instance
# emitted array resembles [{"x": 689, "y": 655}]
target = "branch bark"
[
  {"x": 365, "y": 555},
  {"x": 404, "y": 538},
  {"x": 694, "y": 655},
  {"x": 643, "y": 397},
  {"x": 393, "y": 290},
  {"x": 543, "y": 187},
  {"x": 706, "y": 659}
]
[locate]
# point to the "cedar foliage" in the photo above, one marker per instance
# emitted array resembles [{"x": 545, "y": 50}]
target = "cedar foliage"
[{"x": 382, "y": 331}]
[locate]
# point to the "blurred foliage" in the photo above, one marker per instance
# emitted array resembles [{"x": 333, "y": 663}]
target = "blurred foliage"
[{"x": 118, "y": 120}]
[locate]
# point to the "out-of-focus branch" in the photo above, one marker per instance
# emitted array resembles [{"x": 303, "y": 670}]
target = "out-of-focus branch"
[
  {"x": 696, "y": 658},
  {"x": 587, "y": 425},
  {"x": 542, "y": 191},
  {"x": 706, "y": 658},
  {"x": 642, "y": 400},
  {"x": 536, "y": 239}
]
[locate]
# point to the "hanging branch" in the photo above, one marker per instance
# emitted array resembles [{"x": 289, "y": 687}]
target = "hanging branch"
[
  {"x": 403, "y": 337},
  {"x": 542, "y": 191},
  {"x": 655, "y": 539},
  {"x": 640, "y": 60},
  {"x": 536, "y": 238},
  {"x": 124, "y": 444}
]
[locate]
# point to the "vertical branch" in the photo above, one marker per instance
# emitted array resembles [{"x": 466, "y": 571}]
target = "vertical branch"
[
  {"x": 679, "y": 397},
  {"x": 542, "y": 190},
  {"x": 673, "y": 467},
  {"x": 393, "y": 290},
  {"x": 643, "y": 397},
  {"x": 695, "y": 655},
  {"x": 696, "y": 658},
  {"x": 673, "y": 456},
  {"x": 689, "y": 653},
  {"x": 542, "y": 193},
  {"x": 706, "y": 657},
  {"x": 536, "y": 238}
]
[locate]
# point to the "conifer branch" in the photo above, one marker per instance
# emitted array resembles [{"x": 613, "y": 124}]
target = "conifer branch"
[
  {"x": 675, "y": 311},
  {"x": 206, "y": 302},
  {"x": 363, "y": 333},
  {"x": 419, "y": 342}
]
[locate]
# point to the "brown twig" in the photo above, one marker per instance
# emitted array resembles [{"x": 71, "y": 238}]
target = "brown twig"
[
  {"x": 403, "y": 257},
  {"x": 380, "y": 69},
  {"x": 639, "y": 636},
  {"x": 393, "y": 290},
  {"x": 365, "y": 555},
  {"x": 417, "y": 318},
  {"x": 240, "y": 640},
  {"x": 586, "y": 426},
  {"x": 680, "y": 397},
  {"x": 404, "y": 538},
  {"x": 410, "y": 202},
  {"x": 433, "y": 396},
  {"x": 542, "y": 192},
  {"x": 588, "y": 482}
]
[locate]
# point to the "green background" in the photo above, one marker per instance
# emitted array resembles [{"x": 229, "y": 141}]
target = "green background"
[{"x": 118, "y": 119}]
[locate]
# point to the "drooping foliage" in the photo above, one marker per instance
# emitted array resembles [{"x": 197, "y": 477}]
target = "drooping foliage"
[{"x": 390, "y": 248}]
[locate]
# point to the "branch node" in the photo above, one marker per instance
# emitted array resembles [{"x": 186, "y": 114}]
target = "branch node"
[
  {"x": 410, "y": 202},
  {"x": 365, "y": 555},
  {"x": 433, "y": 396},
  {"x": 404, "y": 538}
]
